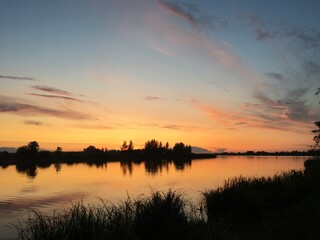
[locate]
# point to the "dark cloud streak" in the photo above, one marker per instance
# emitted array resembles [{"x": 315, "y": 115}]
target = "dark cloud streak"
[
  {"x": 94, "y": 127},
  {"x": 51, "y": 90},
  {"x": 17, "y": 78},
  {"x": 308, "y": 37},
  {"x": 153, "y": 98},
  {"x": 31, "y": 122},
  {"x": 292, "y": 107},
  {"x": 191, "y": 13},
  {"x": 261, "y": 34},
  {"x": 55, "y": 97},
  {"x": 11, "y": 105},
  {"x": 276, "y": 76}
]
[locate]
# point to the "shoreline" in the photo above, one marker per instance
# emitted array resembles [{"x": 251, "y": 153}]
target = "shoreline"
[{"x": 102, "y": 158}]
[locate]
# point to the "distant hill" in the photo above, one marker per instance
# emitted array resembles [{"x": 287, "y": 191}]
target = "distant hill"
[
  {"x": 195, "y": 149},
  {"x": 8, "y": 149}
]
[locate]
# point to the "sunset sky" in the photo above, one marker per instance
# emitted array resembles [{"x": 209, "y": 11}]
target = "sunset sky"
[{"x": 224, "y": 75}]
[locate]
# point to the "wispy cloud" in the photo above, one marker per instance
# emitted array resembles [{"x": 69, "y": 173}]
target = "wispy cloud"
[
  {"x": 308, "y": 36},
  {"x": 311, "y": 67},
  {"x": 265, "y": 30},
  {"x": 251, "y": 105},
  {"x": 177, "y": 37},
  {"x": 262, "y": 34},
  {"x": 276, "y": 76},
  {"x": 55, "y": 97},
  {"x": 32, "y": 122},
  {"x": 222, "y": 117},
  {"x": 94, "y": 127},
  {"x": 180, "y": 127},
  {"x": 298, "y": 58},
  {"x": 17, "y": 78},
  {"x": 240, "y": 123},
  {"x": 153, "y": 98},
  {"x": 193, "y": 15},
  {"x": 290, "y": 113},
  {"x": 175, "y": 127},
  {"x": 51, "y": 90},
  {"x": 291, "y": 108},
  {"x": 176, "y": 9},
  {"x": 14, "y": 106},
  {"x": 162, "y": 50}
]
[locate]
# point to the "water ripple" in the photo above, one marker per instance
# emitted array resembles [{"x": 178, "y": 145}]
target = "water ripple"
[{"x": 16, "y": 203}]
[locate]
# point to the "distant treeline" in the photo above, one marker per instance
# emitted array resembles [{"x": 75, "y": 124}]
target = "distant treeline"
[
  {"x": 311, "y": 152},
  {"x": 29, "y": 158},
  {"x": 153, "y": 149}
]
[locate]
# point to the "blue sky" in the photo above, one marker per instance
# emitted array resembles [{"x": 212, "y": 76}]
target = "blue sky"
[{"x": 232, "y": 75}]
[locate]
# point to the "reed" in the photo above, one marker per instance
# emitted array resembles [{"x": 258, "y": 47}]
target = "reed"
[
  {"x": 285, "y": 206},
  {"x": 159, "y": 216}
]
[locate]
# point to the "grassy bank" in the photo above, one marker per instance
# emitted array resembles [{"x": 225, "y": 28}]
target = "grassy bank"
[{"x": 285, "y": 206}]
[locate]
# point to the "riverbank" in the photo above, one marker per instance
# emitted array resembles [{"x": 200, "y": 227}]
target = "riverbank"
[{"x": 285, "y": 206}]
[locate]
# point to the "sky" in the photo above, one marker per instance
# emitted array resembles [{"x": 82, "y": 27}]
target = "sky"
[{"x": 224, "y": 75}]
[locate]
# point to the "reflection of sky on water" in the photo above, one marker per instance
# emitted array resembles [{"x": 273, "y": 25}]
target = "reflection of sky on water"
[
  {"x": 29, "y": 189},
  {"x": 54, "y": 190},
  {"x": 13, "y": 208},
  {"x": 15, "y": 203}
]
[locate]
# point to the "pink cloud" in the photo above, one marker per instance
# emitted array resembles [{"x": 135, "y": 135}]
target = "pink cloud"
[
  {"x": 178, "y": 11},
  {"x": 254, "y": 118},
  {"x": 179, "y": 41}
]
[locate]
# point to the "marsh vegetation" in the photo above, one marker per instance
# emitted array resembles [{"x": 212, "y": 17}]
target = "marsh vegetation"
[{"x": 285, "y": 206}]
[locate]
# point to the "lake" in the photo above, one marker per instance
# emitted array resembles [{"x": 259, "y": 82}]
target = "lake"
[{"x": 54, "y": 187}]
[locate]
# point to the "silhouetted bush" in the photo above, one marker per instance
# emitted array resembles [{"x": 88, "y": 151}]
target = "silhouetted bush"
[
  {"x": 29, "y": 151},
  {"x": 285, "y": 206},
  {"x": 154, "y": 148},
  {"x": 161, "y": 216},
  {"x": 246, "y": 199},
  {"x": 93, "y": 153},
  {"x": 312, "y": 170},
  {"x": 181, "y": 149}
]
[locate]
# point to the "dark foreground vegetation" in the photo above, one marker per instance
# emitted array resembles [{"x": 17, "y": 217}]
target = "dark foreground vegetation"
[{"x": 285, "y": 206}]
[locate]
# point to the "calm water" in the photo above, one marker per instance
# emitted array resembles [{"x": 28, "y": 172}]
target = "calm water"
[{"x": 55, "y": 186}]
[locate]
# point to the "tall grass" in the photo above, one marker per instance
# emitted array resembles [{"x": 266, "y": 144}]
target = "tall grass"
[
  {"x": 159, "y": 216},
  {"x": 285, "y": 206},
  {"x": 105, "y": 221},
  {"x": 249, "y": 198}
]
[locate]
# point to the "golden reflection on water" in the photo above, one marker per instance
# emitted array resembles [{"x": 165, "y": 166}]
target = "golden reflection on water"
[
  {"x": 55, "y": 187},
  {"x": 114, "y": 180}
]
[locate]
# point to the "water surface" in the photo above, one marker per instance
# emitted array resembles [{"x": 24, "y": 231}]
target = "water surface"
[{"x": 54, "y": 187}]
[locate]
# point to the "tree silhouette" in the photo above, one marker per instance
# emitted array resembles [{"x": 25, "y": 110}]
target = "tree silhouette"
[
  {"x": 181, "y": 149},
  {"x": 33, "y": 147},
  {"x": 93, "y": 152},
  {"x": 130, "y": 146},
  {"x": 153, "y": 147},
  {"x": 90, "y": 150},
  {"x": 30, "y": 150},
  {"x": 316, "y": 132},
  {"x": 167, "y": 146},
  {"x": 58, "y": 150},
  {"x": 124, "y": 146}
]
